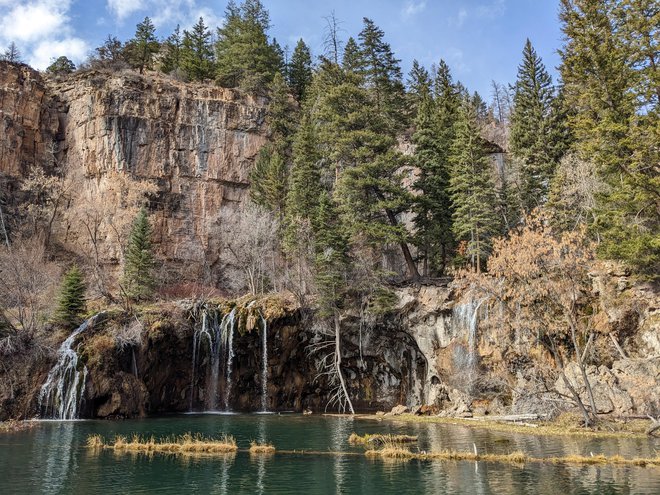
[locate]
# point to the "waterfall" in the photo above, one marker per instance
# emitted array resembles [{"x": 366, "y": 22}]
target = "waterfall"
[
  {"x": 465, "y": 320},
  {"x": 217, "y": 338},
  {"x": 264, "y": 365},
  {"x": 228, "y": 323},
  {"x": 63, "y": 391}
]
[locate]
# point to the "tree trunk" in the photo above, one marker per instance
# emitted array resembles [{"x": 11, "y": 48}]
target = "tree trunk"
[
  {"x": 560, "y": 364},
  {"x": 410, "y": 263},
  {"x": 342, "y": 383}
]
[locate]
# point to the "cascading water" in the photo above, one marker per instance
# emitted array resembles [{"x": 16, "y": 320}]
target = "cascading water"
[
  {"x": 218, "y": 337},
  {"x": 63, "y": 391},
  {"x": 465, "y": 320},
  {"x": 228, "y": 323},
  {"x": 264, "y": 365}
]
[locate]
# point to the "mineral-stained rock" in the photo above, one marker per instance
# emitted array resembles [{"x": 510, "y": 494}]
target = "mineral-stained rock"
[{"x": 190, "y": 146}]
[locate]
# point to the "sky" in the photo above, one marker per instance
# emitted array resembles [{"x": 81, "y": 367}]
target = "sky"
[{"x": 481, "y": 40}]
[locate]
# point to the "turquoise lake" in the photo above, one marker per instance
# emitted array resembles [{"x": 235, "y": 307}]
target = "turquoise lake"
[{"x": 52, "y": 458}]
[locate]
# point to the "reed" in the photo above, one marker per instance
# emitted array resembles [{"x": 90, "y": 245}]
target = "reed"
[
  {"x": 261, "y": 448},
  {"x": 187, "y": 443},
  {"x": 379, "y": 439}
]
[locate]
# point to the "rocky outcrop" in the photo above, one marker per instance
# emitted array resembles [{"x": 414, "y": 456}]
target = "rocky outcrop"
[
  {"x": 29, "y": 124},
  {"x": 121, "y": 140}
]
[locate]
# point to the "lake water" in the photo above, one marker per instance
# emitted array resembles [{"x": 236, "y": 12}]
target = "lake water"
[{"x": 52, "y": 458}]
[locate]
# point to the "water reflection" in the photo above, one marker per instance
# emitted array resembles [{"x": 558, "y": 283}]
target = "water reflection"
[
  {"x": 56, "y": 444},
  {"x": 52, "y": 458},
  {"x": 340, "y": 431}
]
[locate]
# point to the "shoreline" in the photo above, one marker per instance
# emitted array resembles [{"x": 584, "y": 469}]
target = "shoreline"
[{"x": 564, "y": 425}]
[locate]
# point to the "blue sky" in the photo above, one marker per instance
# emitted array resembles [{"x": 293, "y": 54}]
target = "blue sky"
[{"x": 481, "y": 40}]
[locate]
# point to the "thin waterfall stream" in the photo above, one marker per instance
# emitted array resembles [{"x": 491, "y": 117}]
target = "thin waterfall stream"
[
  {"x": 264, "y": 365},
  {"x": 63, "y": 391}
]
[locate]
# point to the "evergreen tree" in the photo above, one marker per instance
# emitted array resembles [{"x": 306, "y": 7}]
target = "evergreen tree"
[
  {"x": 305, "y": 180},
  {"x": 361, "y": 149},
  {"x": 245, "y": 57},
  {"x": 61, "y": 65},
  {"x": 197, "y": 52},
  {"x": 534, "y": 129},
  {"x": 352, "y": 58},
  {"x": 472, "y": 190},
  {"x": 432, "y": 205},
  {"x": 173, "y": 49},
  {"x": 419, "y": 85},
  {"x": 332, "y": 261},
  {"x": 382, "y": 75},
  {"x": 141, "y": 49},
  {"x": 71, "y": 304},
  {"x": 137, "y": 281},
  {"x": 300, "y": 70},
  {"x": 268, "y": 180},
  {"x": 282, "y": 116},
  {"x": 611, "y": 88}
]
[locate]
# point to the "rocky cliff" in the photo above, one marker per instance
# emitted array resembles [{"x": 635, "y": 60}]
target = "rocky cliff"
[{"x": 120, "y": 140}]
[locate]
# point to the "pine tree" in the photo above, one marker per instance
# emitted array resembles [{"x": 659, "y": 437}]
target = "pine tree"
[
  {"x": 472, "y": 190},
  {"x": 352, "y": 58},
  {"x": 361, "y": 150},
  {"x": 419, "y": 84},
  {"x": 534, "y": 129},
  {"x": 382, "y": 75},
  {"x": 197, "y": 52},
  {"x": 432, "y": 205},
  {"x": 141, "y": 49},
  {"x": 137, "y": 281},
  {"x": 433, "y": 137},
  {"x": 173, "y": 47},
  {"x": 245, "y": 58},
  {"x": 61, "y": 65},
  {"x": 300, "y": 70},
  {"x": 611, "y": 88},
  {"x": 71, "y": 304},
  {"x": 332, "y": 260},
  {"x": 268, "y": 181}
]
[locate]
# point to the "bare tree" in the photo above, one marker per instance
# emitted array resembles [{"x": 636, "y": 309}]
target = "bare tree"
[
  {"x": 541, "y": 280},
  {"x": 11, "y": 54},
  {"x": 251, "y": 249},
  {"x": 332, "y": 44},
  {"x": 27, "y": 283}
]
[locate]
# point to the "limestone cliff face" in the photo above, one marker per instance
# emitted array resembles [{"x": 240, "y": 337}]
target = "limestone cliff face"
[
  {"x": 121, "y": 140},
  {"x": 28, "y": 120}
]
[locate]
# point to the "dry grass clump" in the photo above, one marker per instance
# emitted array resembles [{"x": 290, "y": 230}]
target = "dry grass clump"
[
  {"x": 380, "y": 439},
  {"x": 261, "y": 448},
  {"x": 391, "y": 451},
  {"x": 183, "y": 444},
  {"x": 95, "y": 442}
]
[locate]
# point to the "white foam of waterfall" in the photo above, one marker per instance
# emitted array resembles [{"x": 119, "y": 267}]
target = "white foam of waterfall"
[
  {"x": 264, "y": 365},
  {"x": 465, "y": 321},
  {"x": 228, "y": 323},
  {"x": 62, "y": 393}
]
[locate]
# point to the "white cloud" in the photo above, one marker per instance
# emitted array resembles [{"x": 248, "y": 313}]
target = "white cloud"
[
  {"x": 412, "y": 8},
  {"x": 123, "y": 8},
  {"x": 74, "y": 48},
  {"x": 42, "y": 31},
  {"x": 29, "y": 22}
]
